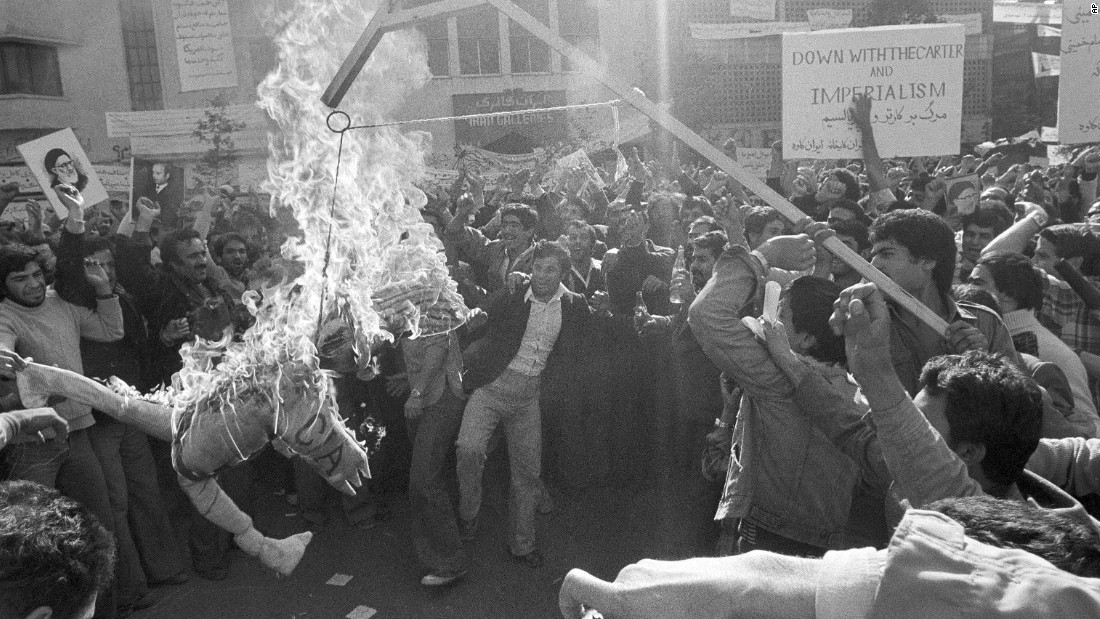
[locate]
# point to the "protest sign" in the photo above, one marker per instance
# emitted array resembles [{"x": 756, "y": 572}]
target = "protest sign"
[
  {"x": 718, "y": 32},
  {"x": 971, "y": 21},
  {"x": 1046, "y": 65},
  {"x": 825, "y": 19},
  {"x": 115, "y": 177},
  {"x": 912, "y": 74},
  {"x": 204, "y": 44},
  {"x": 1078, "y": 115},
  {"x": 754, "y": 9},
  {"x": 1047, "y": 31},
  {"x": 1049, "y": 134},
  {"x": 962, "y": 193},
  {"x": 755, "y": 160},
  {"x": 1026, "y": 12},
  {"x": 59, "y": 160},
  {"x": 1058, "y": 154}
]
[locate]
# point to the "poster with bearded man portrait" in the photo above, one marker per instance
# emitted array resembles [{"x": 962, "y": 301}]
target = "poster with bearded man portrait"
[{"x": 60, "y": 165}]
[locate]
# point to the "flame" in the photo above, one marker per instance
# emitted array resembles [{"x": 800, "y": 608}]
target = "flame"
[{"x": 353, "y": 267}]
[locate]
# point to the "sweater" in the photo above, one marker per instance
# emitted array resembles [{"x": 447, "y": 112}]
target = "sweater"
[{"x": 50, "y": 334}]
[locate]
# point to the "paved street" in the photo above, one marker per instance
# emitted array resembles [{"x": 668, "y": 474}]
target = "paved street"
[{"x": 598, "y": 530}]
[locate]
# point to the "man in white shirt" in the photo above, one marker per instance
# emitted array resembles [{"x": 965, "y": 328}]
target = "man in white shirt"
[
  {"x": 1018, "y": 288},
  {"x": 530, "y": 329}
]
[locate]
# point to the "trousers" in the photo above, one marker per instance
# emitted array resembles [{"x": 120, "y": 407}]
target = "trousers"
[{"x": 512, "y": 400}]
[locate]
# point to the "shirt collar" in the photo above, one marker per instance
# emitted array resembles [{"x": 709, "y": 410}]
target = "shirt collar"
[{"x": 557, "y": 295}]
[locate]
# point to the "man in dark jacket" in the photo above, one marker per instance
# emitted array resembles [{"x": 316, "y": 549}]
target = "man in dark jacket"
[{"x": 532, "y": 332}]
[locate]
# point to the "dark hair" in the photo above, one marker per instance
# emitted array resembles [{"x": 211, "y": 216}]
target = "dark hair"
[
  {"x": 760, "y": 216},
  {"x": 990, "y": 402},
  {"x": 53, "y": 551},
  {"x": 811, "y": 300},
  {"x": 1074, "y": 241},
  {"x": 926, "y": 235},
  {"x": 528, "y": 217},
  {"x": 850, "y": 206},
  {"x": 996, "y": 216},
  {"x": 553, "y": 249},
  {"x": 714, "y": 241},
  {"x": 920, "y": 183},
  {"x": 70, "y": 283},
  {"x": 899, "y": 205},
  {"x": 1065, "y": 542},
  {"x": 14, "y": 257},
  {"x": 588, "y": 228},
  {"x": 169, "y": 245},
  {"x": 217, "y": 246},
  {"x": 50, "y": 161},
  {"x": 854, "y": 229},
  {"x": 851, "y": 182},
  {"x": 969, "y": 293},
  {"x": 1014, "y": 276},
  {"x": 709, "y": 221},
  {"x": 697, "y": 202}
]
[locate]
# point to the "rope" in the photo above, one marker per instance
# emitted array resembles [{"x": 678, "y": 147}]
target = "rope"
[
  {"x": 398, "y": 123},
  {"x": 347, "y": 126}
]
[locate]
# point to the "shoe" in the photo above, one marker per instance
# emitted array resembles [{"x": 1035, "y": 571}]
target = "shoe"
[
  {"x": 532, "y": 559},
  {"x": 467, "y": 529},
  {"x": 442, "y": 578},
  {"x": 175, "y": 579}
]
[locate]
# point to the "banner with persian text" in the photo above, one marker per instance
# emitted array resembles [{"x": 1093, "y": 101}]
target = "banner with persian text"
[
  {"x": 1078, "y": 115},
  {"x": 204, "y": 44},
  {"x": 535, "y": 128},
  {"x": 913, "y": 75}
]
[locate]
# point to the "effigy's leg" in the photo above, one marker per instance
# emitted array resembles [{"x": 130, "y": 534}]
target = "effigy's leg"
[
  {"x": 37, "y": 382},
  {"x": 307, "y": 424},
  {"x": 281, "y": 555}
]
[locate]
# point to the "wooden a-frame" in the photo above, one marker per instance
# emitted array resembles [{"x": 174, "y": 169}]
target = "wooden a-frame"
[{"x": 386, "y": 20}]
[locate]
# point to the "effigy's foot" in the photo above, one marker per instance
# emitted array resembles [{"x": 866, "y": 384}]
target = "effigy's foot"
[
  {"x": 281, "y": 555},
  {"x": 38, "y": 382}
]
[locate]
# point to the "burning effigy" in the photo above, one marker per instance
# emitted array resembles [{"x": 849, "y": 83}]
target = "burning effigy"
[{"x": 367, "y": 271}]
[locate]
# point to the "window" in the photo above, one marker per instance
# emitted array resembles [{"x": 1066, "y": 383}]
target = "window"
[
  {"x": 529, "y": 53},
  {"x": 142, "y": 62},
  {"x": 579, "y": 24},
  {"x": 28, "y": 69},
  {"x": 478, "y": 42},
  {"x": 438, "y": 52}
]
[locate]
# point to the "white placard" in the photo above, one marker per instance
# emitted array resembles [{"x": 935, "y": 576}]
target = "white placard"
[
  {"x": 115, "y": 177},
  {"x": 827, "y": 19},
  {"x": 913, "y": 74},
  {"x": 204, "y": 44},
  {"x": 1049, "y": 134},
  {"x": 971, "y": 21},
  {"x": 754, "y": 9},
  {"x": 1057, "y": 154},
  {"x": 1078, "y": 114},
  {"x": 61, "y": 147},
  {"x": 718, "y": 32},
  {"x": 1046, "y": 65},
  {"x": 1047, "y": 31},
  {"x": 756, "y": 160},
  {"x": 1027, "y": 13}
]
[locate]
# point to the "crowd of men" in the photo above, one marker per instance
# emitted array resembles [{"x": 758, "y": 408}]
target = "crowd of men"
[{"x": 608, "y": 345}]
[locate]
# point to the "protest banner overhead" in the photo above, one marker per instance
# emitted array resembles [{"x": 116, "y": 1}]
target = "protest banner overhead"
[
  {"x": 913, "y": 75},
  {"x": 1078, "y": 117}
]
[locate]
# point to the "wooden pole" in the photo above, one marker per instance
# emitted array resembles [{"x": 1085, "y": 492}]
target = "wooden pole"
[
  {"x": 383, "y": 22},
  {"x": 717, "y": 157}
]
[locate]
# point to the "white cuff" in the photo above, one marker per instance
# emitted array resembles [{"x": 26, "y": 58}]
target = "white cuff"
[{"x": 848, "y": 581}]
